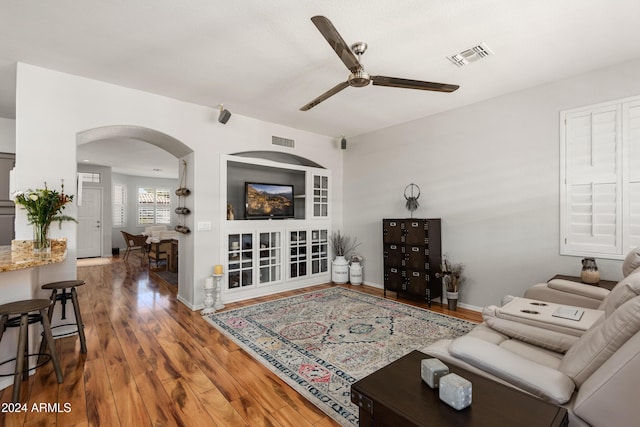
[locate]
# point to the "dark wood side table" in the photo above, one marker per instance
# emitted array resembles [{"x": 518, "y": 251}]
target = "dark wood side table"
[
  {"x": 607, "y": 284},
  {"x": 396, "y": 396}
]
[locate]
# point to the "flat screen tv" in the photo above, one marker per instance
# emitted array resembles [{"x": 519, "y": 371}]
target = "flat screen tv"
[{"x": 268, "y": 200}]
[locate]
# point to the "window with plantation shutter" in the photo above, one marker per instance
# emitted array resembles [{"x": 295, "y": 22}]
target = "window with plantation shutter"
[
  {"x": 600, "y": 179},
  {"x": 119, "y": 197},
  {"x": 631, "y": 134},
  {"x": 154, "y": 206}
]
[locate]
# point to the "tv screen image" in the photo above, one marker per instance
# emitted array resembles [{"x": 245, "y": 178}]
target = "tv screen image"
[{"x": 268, "y": 200}]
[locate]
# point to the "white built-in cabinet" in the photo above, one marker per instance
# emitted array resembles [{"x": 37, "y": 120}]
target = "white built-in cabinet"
[
  {"x": 600, "y": 179},
  {"x": 277, "y": 254}
]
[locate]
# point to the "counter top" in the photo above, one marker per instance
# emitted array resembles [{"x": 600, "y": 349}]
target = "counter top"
[{"x": 20, "y": 255}]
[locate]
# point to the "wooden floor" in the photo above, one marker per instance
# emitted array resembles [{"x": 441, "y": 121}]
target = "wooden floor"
[{"x": 153, "y": 362}]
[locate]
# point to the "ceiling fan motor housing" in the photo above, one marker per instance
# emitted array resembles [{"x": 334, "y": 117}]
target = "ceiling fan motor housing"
[{"x": 359, "y": 78}]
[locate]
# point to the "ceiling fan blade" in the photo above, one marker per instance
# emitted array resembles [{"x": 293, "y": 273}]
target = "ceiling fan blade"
[
  {"x": 337, "y": 88},
  {"x": 337, "y": 43},
  {"x": 412, "y": 84}
]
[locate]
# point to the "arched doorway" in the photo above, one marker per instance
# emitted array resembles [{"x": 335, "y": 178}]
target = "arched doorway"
[{"x": 184, "y": 158}]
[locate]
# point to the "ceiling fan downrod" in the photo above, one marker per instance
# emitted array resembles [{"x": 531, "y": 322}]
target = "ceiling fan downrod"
[{"x": 359, "y": 78}]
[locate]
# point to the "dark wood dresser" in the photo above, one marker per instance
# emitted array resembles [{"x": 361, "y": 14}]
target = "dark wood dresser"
[{"x": 412, "y": 254}]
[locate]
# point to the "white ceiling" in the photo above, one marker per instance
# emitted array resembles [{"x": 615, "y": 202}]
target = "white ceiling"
[
  {"x": 141, "y": 159},
  {"x": 265, "y": 59}
]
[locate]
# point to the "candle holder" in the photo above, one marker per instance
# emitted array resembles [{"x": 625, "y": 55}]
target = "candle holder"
[
  {"x": 208, "y": 297},
  {"x": 218, "y": 301}
]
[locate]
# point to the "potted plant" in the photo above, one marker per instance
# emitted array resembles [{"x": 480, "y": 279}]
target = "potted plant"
[
  {"x": 342, "y": 245},
  {"x": 452, "y": 277},
  {"x": 43, "y": 207}
]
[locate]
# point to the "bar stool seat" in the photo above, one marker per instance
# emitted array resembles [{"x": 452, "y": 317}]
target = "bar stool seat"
[
  {"x": 27, "y": 312},
  {"x": 63, "y": 297}
]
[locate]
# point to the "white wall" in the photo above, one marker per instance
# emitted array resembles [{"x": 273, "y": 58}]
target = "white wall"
[
  {"x": 491, "y": 172},
  {"x": 7, "y": 135},
  {"x": 52, "y": 107}
]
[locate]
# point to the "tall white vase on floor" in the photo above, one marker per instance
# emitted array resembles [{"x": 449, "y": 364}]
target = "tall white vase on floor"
[
  {"x": 340, "y": 270},
  {"x": 355, "y": 273}
]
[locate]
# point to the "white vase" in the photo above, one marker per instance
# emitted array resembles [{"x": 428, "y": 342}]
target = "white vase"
[
  {"x": 355, "y": 273},
  {"x": 340, "y": 270}
]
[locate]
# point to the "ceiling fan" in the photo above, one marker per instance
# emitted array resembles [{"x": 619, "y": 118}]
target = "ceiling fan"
[{"x": 358, "y": 77}]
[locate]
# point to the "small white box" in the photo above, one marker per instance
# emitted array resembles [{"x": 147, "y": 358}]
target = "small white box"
[
  {"x": 432, "y": 370},
  {"x": 455, "y": 391}
]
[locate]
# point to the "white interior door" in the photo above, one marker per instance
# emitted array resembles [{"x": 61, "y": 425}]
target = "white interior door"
[{"x": 90, "y": 223}]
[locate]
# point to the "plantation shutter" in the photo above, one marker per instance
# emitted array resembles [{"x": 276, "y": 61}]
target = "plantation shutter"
[
  {"x": 592, "y": 214},
  {"x": 631, "y": 133},
  {"x": 118, "y": 201}
]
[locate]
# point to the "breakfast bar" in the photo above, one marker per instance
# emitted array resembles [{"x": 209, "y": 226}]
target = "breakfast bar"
[
  {"x": 20, "y": 255},
  {"x": 20, "y": 280}
]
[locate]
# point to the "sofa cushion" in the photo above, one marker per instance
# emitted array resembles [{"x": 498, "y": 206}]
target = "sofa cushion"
[
  {"x": 601, "y": 341},
  {"x": 631, "y": 261},
  {"x": 606, "y": 398},
  {"x": 539, "y": 380},
  {"x": 548, "y": 339},
  {"x": 488, "y": 334},
  {"x": 627, "y": 288},
  {"x": 533, "y": 352}
]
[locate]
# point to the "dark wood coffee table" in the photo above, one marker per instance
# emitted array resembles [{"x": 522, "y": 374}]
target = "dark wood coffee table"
[{"x": 396, "y": 396}]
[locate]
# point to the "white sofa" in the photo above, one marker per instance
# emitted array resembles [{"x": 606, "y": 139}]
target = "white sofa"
[{"x": 593, "y": 375}]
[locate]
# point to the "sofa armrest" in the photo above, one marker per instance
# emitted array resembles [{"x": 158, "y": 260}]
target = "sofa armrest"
[
  {"x": 548, "y": 384},
  {"x": 567, "y": 293},
  {"x": 581, "y": 289}
]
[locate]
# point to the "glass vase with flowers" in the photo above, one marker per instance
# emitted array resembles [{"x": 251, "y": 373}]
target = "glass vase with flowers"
[{"x": 43, "y": 207}]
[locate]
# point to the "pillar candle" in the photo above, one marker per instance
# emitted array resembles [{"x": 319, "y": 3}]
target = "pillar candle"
[
  {"x": 208, "y": 283},
  {"x": 217, "y": 269}
]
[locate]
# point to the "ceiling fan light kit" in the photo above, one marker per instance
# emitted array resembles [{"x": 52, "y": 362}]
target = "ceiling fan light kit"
[{"x": 350, "y": 57}]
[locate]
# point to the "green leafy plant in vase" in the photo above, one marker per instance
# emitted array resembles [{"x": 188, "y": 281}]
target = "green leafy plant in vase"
[{"x": 43, "y": 207}]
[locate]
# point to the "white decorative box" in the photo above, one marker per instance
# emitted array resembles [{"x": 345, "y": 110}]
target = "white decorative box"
[
  {"x": 455, "y": 391},
  {"x": 432, "y": 370}
]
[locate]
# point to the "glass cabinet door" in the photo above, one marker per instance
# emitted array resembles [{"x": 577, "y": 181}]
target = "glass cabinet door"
[
  {"x": 240, "y": 267},
  {"x": 319, "y": 251},
  {"x": 297, "y": 253},
  {"x": 270, "y": 257},
  {"x": 320, "y": 196}
]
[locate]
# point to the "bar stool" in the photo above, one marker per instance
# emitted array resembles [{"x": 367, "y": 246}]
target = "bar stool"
[
  {"x": 63, "y": 297},
  {"x": 21, "y": 310}
]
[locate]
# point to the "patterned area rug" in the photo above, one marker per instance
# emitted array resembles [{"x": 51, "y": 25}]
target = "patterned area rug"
[{"x": 322, "y": 342}]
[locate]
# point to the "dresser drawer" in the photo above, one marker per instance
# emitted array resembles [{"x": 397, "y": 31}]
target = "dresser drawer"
[
  {"x": 393, "y": 255},
  {"x": 392, "y": 231},
  {"x": 416, "y": 282},
  {"x": 416, "y": 257},
  {"x": 393, "y": 278}
]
